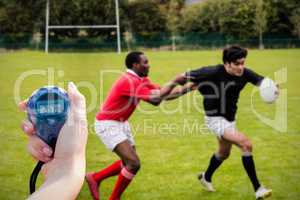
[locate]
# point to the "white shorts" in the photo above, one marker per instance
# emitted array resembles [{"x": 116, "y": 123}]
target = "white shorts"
[
  {"x": 112, "y": 133},
  {"x": 218, "y": 124}
]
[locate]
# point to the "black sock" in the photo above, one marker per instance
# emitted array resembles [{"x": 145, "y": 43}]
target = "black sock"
[
  {"x": 213, "y": 165},
  {"x": 250, "y": 169}
]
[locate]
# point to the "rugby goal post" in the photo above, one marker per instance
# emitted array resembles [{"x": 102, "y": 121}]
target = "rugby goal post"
[{"x": 113, "y": 26}]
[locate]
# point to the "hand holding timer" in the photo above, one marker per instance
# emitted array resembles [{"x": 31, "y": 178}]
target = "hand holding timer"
[{"x": 47, "y": 109}]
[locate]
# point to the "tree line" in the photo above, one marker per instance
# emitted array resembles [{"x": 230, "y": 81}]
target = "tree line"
[{"x": 242, "y": 19}]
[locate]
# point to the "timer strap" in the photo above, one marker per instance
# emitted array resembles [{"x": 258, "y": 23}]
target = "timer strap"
[{"x": 34, "y": 176}]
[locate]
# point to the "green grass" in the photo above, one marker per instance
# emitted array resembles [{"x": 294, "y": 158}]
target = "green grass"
[{"x": 172, "y": 157}]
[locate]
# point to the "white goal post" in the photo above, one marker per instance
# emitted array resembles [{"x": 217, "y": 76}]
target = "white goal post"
[{"x": 116, "y": 26}]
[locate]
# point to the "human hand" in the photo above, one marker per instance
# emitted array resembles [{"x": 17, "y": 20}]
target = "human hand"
[
  {"x": 180, "y": 79},
  {"x": 64, "y": 171},
  {"x": 278, "y": 88},
  {"x": 73, "y": 135},
  {"x": 36, "y": 147}
]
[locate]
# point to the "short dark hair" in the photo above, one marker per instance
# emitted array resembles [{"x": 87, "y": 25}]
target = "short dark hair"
[
  {"x": 233, "y": 53},
  {"x": 133, "y": 57}
]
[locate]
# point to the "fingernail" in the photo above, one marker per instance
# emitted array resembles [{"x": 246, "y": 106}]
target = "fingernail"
[
  {"x": 47, "y": 151},
  {"x": 26, "y": 128},
  {"x": 71, "y": 84}
]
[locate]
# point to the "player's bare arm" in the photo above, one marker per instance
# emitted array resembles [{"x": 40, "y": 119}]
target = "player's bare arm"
[
  {"x": 157, "y": 96},
  {"x": 180, "y": 91}
]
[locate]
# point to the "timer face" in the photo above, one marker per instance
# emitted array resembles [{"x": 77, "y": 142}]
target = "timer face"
[
  {"x": 50, "y": 107},
  {"x": 48, "y": 110}
]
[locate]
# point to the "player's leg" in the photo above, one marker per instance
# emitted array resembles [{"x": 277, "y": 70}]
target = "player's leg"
[
  {"x": 111, "y": 170},
  {"x": 215, "y": 162},
  {"x": 245, "y": 145},
  {"x": 94, "y": 178},
  {"x": 217, "y": 126},
  {"x": 131, "y": 161},
  {"x": 111, "y": 133},
  {"x": 217, "y": 158}
]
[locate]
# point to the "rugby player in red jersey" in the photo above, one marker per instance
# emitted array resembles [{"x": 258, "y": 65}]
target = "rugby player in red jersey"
[{"x": 111, "y": 123}]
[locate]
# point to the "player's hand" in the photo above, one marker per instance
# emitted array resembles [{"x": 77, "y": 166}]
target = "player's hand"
[
  {"x": 278, "y": 89},
  {"x": 180, "y": 79},
  {"x": 194, "y": 86}
]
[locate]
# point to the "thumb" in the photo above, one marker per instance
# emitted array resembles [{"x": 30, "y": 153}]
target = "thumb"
[{"x": 77, "y": 101}]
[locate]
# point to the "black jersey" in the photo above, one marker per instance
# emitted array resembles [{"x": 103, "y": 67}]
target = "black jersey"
[{"x": 221, "y": 90}]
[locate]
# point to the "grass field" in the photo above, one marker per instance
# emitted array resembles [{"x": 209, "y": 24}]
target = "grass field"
[{"x": 171, "y": 157}]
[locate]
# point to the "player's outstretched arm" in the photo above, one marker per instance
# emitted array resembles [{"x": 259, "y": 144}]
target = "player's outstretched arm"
[
  {"x": 157, "y": 96},
  {"x": 180, "y": 91}
]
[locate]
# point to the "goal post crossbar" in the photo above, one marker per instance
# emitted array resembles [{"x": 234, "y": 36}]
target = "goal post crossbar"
[
  {"x": 81, "y": 26},
  {"x": 116, "y": 26}
]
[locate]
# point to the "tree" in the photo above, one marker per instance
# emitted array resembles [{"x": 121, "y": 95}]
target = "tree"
[
  {"x": 237, "y": 18},
  {"x": 20, "y": 17},
  {"x": 167, "y": 2},
  {"x": 278, "y": 19},
  {"x": 145, "y": 18},
  {"x": 260, "y": 24},
  {"x": 173, "y": 19},
  {"x": 295, "y": 19},
  {"x": 202, "y": 18},
  {"x": 103, "y": 12}
]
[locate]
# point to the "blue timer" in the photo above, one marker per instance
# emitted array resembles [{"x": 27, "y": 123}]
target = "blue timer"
[{"x": 47, "y": 109}]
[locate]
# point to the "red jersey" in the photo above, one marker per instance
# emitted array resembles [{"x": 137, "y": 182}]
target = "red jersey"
[{"x": 124, "y": 96}]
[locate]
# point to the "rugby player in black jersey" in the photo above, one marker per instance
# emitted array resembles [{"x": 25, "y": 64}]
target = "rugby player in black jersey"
[{"x": 220, "y": 86}]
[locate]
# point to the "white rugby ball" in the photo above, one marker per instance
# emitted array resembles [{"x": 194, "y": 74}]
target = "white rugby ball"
[{"x": 268, "y": 90}]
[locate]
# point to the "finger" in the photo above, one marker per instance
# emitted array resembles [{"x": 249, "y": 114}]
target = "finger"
[
  {"x": 37, "y": 154},
  {"x": 23, "y": 105},
  {"x": 76, "y": 97},
  {"x": 39, "y": 149},
  {"x": 45, "y": 169},
  {"x": 40, "y": 145},
  {"x": 28, "y": 127},
  {"x": 190, "y": 77},
  {"x": 278, "y": 89},
  {"x": 77, "y": 101},
  {"x": 194, "y": 86}
]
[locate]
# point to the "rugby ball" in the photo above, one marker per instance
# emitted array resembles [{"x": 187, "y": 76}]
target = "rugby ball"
[{"x": 268, "y": 90}]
